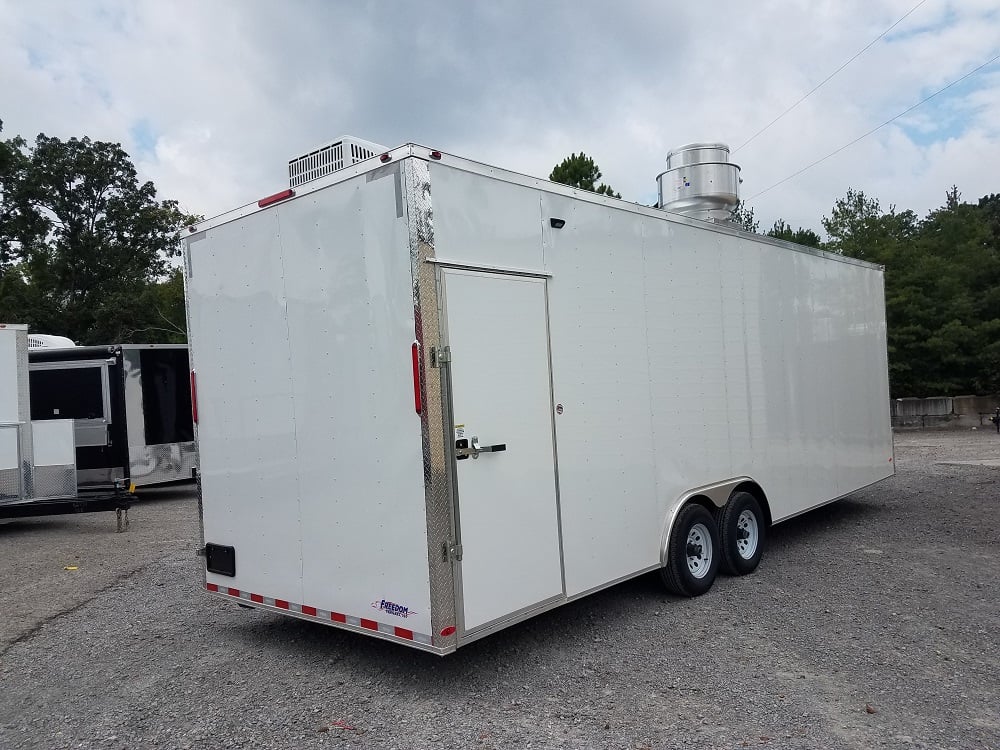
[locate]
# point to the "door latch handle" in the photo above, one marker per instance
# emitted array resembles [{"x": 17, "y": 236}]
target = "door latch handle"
[
  {"x": 465, "y": 449},
  {"x": 477, "y": 448}
]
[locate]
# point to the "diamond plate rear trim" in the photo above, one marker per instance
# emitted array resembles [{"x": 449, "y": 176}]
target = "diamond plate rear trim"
[
  {"x": 55, "y": 481},
  {"x": 433, "y": 419}
]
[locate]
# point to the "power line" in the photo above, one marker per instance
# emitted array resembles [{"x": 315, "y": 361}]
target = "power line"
[
  {"x": 873, "y": 130},
  {"x": 821, "y": 83}
]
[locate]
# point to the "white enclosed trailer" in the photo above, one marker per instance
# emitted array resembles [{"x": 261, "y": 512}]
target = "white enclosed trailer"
[
  {"x": 38, "y": 457},
  {"x": 436, "y": 398}
]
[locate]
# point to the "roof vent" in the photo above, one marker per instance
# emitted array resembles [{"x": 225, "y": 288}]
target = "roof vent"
[
  {"x": 700, "y": 182},
  {"x": 343, "y": 152},
  {"x": 47, "y": 341}
]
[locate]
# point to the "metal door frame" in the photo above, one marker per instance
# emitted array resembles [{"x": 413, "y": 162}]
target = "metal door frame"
[
  {"x": 440, "y": 267},
  {"x": 87, "y": 424}
]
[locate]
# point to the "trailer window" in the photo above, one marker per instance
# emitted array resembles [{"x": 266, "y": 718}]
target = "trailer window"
[
  {"x": 71, "y": 393},
  {"x": 166, "y": 396}
]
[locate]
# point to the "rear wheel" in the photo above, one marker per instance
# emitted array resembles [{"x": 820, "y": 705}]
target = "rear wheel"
[
  {"x": 742, "y": 534},
  {"x": 692, "y": 558}
]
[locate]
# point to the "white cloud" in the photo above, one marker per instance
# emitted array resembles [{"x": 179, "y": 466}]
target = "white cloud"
[{"x": 229, "y": 91}]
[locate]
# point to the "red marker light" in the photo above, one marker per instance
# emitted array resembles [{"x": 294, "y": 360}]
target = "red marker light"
[
  {"x": 415, "y": 353},
  {"x": 276, "y": 198},
  {"x": 435, "y": 154},
  {"x": 450, "y": 630},
  {"x": 194, "y": 398},
  {"x": 385, "y": 157}
]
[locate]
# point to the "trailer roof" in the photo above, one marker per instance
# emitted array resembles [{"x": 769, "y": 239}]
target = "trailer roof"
[{"x": 416, "y": 151}]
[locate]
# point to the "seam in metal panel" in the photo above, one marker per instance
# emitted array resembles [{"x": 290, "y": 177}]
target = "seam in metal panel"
[
  {"x": 291, "y": 383},
  {"x": 555, "y": 442}
]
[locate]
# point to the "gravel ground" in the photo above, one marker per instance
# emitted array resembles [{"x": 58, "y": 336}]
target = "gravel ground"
[{"x": 871, "y": 623}]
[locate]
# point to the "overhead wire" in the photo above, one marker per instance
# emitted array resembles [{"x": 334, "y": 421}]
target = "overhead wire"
[
  {"x": 819, "y": 85},
  {"x": 875, "y": 129}
]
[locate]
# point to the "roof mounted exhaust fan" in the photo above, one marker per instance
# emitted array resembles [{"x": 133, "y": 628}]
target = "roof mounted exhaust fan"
[{"x": 700, "y": 182}]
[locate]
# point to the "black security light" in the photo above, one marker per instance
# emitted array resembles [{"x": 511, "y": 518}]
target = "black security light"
[{"x": 557, "y": 223}]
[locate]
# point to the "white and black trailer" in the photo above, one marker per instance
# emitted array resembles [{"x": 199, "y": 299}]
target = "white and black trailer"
[
  {"x": 38, "y": 458},
  {"x": 131, "y": 407},
  {"x": 438, "y": 398}
]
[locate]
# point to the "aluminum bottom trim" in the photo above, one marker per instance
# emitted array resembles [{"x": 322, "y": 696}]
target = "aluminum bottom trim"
[
  {"x": 798, "y": 513},
  {"x": 270, "y": 607},
  {"x": 520, "y": 615}
]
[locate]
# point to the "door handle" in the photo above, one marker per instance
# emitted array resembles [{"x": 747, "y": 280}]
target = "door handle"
[
  {"x": 474, "y": 448},
  {"x": 477, "y": 448}
]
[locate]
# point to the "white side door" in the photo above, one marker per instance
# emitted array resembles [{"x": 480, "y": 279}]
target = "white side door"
[{"x": 508, "y": 518}]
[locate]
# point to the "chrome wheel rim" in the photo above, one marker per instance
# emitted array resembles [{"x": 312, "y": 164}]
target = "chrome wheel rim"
[
  {"x": 699, "y": 550},
  {"x": 747, "y": 535}
]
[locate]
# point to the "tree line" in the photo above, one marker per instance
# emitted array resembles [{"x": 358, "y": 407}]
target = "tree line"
[
  {"x": 89, "y": 252},
  {"x": 942, "y": 285},
  {"x": 942, "y": 280},
  {"x": 86, "y": 250}
]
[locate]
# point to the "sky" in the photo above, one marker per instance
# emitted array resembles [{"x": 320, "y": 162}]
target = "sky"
[{"x": 212, "y": 97}]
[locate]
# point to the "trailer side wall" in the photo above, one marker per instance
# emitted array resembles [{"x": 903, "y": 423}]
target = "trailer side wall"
[{"x": 682, "y": 356}]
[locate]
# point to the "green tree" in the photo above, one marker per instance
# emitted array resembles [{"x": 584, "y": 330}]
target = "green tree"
[
  {"x": 942, "y": 286},
  {"x": 580, "y": 171},
  {"x": 990, "y": 206},
  {"x": 83, "y": 245},
  {"x": 958, "y": 244},
  {"x": 12, "y": 162},
  {"x": 801, "y": 236},
  {"x": 743, "y": 217},
  {"x": 167, "y": 322}
]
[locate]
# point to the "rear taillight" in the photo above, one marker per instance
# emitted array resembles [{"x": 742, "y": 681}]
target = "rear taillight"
[
  {"x": 276, "y": 198},
  {"x": 194, "y": 398}
]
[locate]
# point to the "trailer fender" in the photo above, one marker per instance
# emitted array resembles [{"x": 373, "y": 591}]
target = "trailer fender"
[{"x": 712, "y": 497}]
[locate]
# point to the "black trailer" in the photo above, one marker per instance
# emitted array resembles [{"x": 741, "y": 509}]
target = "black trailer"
[{"x": 131, "y": 406}]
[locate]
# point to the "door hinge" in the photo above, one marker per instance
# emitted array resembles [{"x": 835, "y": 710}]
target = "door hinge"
[
  {"x": 440, "y": 356},
  {"x": 451, "y": 551}
]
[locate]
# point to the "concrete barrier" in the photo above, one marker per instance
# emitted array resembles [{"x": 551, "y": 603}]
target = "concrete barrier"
[{"x": 956, "y": 412}]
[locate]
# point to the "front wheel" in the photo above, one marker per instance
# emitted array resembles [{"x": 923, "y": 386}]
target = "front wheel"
[
  {"x": 692, "y": 558},
  {"x": 742, "y": 533}
]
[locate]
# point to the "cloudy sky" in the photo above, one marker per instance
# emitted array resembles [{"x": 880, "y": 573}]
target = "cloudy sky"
[{"x": 211, "y": 97}]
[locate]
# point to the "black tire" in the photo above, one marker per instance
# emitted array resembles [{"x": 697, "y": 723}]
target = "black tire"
[
  {"x": 742, "y": 534},
  {"x": 695, "y": 538}
]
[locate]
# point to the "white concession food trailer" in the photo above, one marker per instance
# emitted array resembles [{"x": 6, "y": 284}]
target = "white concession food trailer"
[
  {"x": 436, "y": 398},
  {"x": 38, "y": 457}
]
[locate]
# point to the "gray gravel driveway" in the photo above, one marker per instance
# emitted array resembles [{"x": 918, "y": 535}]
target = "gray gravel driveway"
[{"x": 872, "y": 622}]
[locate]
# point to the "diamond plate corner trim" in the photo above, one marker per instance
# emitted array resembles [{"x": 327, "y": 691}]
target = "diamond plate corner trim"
[
  {"x": 55, "y": 481},
  {"x": 438, "y": 488}
]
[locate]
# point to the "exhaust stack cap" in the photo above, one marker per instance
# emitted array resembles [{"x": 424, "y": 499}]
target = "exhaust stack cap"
[{"x": 700, "y": 182}]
